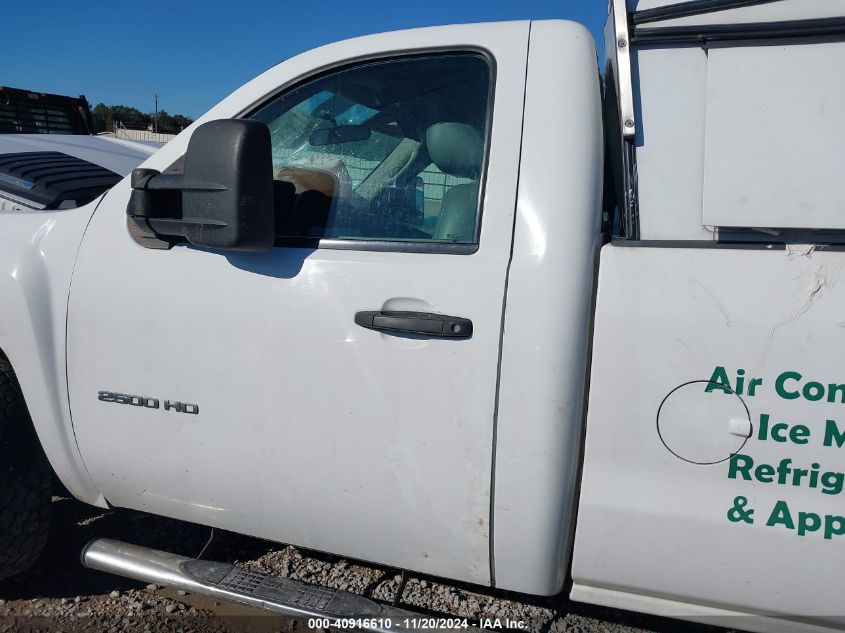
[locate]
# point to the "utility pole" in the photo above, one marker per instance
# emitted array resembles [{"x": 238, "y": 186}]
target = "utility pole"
[{"x": 156, "y": 113}]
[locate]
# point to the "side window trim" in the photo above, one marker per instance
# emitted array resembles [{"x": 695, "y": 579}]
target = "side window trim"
[
  {"x": 382, "y": 246},
  {"x": 409, "y": 245}
]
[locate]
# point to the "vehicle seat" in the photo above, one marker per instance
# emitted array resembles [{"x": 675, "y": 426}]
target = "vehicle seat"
[
  {"x": 315, "y": 191},
  {"x": 456, "y": 149}
]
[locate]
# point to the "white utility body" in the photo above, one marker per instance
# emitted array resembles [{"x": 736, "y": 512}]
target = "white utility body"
[{"x": 534, "y": 331}]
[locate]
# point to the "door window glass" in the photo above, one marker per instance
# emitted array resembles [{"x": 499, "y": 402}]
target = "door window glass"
[{"x": 387, "y": 151}]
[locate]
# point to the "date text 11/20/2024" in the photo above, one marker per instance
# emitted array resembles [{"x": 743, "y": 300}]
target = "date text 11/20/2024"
[{"x": 417, "y": 624}]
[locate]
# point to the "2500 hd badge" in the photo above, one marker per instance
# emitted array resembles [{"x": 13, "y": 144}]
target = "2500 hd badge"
[{"x": 147, "y": 402}]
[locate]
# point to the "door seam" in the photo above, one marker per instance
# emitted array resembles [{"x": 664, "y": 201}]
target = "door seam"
[{"x": 491, "y": 519}]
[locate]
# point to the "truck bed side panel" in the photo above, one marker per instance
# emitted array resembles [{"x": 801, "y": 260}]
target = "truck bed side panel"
[{"x": 690, "y": 345}]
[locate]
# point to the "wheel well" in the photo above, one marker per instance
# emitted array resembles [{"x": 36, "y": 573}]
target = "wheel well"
[
  {"x": 32, "y": 429},
  {"x": 59, "y": 487}
]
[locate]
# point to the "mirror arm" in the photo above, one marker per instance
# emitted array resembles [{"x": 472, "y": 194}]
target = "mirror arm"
[
  {"x": 152, "y": 180},
  {"x": 174, "y": 226},
  {"x": 145, "y": 182}
]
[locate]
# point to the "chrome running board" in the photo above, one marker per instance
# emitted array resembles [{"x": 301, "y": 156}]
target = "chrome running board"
[{"x": 227, "y": 582}]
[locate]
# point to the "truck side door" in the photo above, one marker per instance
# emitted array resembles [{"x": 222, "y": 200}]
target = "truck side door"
[{"x": 250, "y": 391}]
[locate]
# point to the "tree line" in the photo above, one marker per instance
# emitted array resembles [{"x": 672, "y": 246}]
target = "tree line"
[{"x": 106, "y": 116}]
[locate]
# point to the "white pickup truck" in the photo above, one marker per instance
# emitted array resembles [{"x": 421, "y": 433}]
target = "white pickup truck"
[{"x": 533, "y": 331}]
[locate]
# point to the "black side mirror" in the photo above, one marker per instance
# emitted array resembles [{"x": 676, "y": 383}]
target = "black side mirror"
[{"x": 223, "y": 198}]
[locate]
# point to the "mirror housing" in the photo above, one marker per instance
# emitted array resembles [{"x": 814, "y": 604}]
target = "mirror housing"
[{"x": 224, "y": 197}]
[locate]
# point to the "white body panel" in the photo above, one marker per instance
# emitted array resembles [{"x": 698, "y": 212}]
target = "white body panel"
[
  {"x": 693, "y": 612},
  {"x": 266, "y": 345},
  {"x": 670, "y": 142},
  {"x": 119, "y": 156},
  {"x": 739, "y": 134},
  {"x": 37, "y": 254},
  {"x": 547, "y": 321},
  {"x": 729, "y": 135},
  {"x": 772, "y": 158},
  {"x": 651, "y": 525}
]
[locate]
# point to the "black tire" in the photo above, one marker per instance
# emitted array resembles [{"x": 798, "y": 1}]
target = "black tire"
[{"x": 26, "y": 482}]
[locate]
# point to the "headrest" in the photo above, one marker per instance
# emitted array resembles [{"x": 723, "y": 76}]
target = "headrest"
[
  {"x": 456, "y": 149},
  {"x": 328, "y": 180}
]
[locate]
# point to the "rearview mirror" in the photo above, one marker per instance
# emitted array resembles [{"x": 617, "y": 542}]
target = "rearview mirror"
[
  {"x": 224, "y": 197},
  {"x": 340, "y": 134}
]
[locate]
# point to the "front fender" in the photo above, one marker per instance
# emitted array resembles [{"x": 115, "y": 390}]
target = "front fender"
[{"x": 37, "y": 255}]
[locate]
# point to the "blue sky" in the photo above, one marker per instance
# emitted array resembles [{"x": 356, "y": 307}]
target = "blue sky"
[{"x": 195, "y": 53}]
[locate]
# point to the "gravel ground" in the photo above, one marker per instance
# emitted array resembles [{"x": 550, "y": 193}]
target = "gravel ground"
[{"x": 61, "y": 595}]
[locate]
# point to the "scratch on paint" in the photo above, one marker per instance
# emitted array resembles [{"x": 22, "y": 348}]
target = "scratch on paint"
[
  {"x": 715, "y": 301},
  {"x": 797, "y": 251},
  {"x": 687, "y": 347},
  {"x": 814, "y": 291}
]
